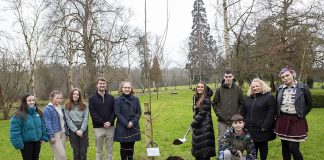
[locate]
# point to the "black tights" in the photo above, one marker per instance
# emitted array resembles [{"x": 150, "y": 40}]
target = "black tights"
[
  {"x": 291, "y": 148},
  {"x": 126, "y": 150},
  {"x": 31, "y": 150},
  {"x": 263, "y": 147}
]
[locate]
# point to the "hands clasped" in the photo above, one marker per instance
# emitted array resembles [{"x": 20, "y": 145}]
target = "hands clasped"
[
  {"x": 130, "y": 125},
  {"x": 79, "y": 133},
  {"x": 107, "y": 124}
]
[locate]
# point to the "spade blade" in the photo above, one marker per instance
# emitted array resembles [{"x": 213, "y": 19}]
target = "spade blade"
[{"x": 177, "y": 142}]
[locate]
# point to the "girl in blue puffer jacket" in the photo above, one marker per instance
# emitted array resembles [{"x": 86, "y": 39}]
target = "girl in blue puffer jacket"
[{"x": 27, "y": 128}]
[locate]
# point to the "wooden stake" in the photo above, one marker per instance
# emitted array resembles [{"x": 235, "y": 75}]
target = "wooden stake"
[{"x": 148, "y": 126}]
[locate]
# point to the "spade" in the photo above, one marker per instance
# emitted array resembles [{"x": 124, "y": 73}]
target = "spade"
[{"x": 182, "y": 140}]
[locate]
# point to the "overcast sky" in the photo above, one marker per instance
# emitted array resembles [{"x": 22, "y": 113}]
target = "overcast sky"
[
  {"x": 179, "y": 24},
  {"x": 179, "y": 29}
]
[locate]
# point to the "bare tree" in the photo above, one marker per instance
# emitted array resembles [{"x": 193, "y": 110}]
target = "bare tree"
[
  {"x": 156, "y": 75},
  {"x": 243, "y": 40},
  {"x": 226, "y": 33},
  {"x": 276, "y": 41},
  {"x": 237, "y": 26},
  {"x": 98, "y": 25},
  {"x": 68, "y": 45},
  {"x": 289, "y": 37},
  {"x": 32, "y": 31},
  {"x": 12, "y": 72}
]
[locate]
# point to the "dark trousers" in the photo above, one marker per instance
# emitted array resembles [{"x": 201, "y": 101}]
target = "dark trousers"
[
  {"x": 79, "y": 145},
  {"x": 31, "y": 150},
  {"x": 127, "y": 150},
  {"x": 290, "y": 148},
  {"x": 263, "y": 147},
  {"x": 199, "y": 158}
]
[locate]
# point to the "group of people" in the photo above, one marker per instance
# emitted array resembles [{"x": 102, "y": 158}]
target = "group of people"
[
  {"x": 244, "y": 124},
  {"x": 30, "y": 127},
  {"x": 248, "y": 124}
]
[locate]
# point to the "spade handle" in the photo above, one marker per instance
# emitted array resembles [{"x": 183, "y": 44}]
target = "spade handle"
[{"x": 189, "y": 129}]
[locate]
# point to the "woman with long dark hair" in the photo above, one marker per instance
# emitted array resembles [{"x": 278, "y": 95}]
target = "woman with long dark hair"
[
  {"x": 203, "y": 138},
  {"x": 27, "y": 128},
  {"x": 77, "y": 113}
]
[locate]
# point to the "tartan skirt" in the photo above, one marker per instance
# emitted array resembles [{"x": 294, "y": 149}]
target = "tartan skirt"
[{"x": 291, "y": 128}]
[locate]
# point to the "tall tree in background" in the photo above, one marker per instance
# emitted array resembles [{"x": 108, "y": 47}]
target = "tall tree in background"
[
  {"x": 98, "y": 24},
  {"x": 287, "y": 38},
  {"x": 33, "y": 32},
  {"x": 143, "y": 60},
  {"x": 202, "y": 46},
  {"x": 226, "y": 34},
  {"x": 12, "y": 73},
  {"x": 243, "y": 46},
  {"x": 155, "y": 73}
]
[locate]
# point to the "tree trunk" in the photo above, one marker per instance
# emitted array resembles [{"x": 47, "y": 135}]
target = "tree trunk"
[
  {"x": 148, "y": 126},
  {"x": 69, "y": 78},
  {"x": 33, "y": 80},
  {"x": 272, "y": 84},
  {"x": 91, "y": 70},
  {"x": 6, "y": 111},
  {"x": 88, "y": 48},
  {"x": 302, "y": 68},
  {"x": 226, "y": 34}
]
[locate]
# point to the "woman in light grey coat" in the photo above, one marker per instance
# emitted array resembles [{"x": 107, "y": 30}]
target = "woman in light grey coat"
[{"x": 77, "y": 114}]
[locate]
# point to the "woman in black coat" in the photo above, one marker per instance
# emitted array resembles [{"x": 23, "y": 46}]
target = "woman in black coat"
[
  {"x": 259, "y": 112},
  {"x": 203, "y": 139},
  {"x": 128, "y": 111}
]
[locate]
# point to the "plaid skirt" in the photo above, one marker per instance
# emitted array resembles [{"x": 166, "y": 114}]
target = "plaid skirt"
[{"x": 291, "y": 128}]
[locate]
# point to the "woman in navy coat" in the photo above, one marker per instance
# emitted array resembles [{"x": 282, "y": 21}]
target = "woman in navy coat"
[
  {"x": 259, "y": 111},
  {"x": 128, "y": 111}
]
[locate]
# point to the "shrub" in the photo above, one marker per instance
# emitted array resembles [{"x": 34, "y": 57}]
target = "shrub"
[
  {"x": 310, "y": 82},
  {"x": 318, "y": 101}
]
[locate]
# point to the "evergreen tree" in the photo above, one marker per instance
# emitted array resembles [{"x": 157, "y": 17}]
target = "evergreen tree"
[
  {"x": 202, "y": 46},
  {"x": 143, "y": 60},
  {"x": 155, "y": 72}
]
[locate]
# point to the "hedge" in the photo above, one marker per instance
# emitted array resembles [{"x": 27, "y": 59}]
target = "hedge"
[{"x": 318, "y": 101}]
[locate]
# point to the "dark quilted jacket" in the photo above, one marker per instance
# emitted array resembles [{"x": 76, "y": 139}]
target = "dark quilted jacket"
[
  {"x": 259, "y": 112},
  {"x": 203, "y": 139}
]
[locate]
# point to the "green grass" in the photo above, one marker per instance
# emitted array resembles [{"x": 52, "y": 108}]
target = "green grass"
[{"x": 172, "y": 116}]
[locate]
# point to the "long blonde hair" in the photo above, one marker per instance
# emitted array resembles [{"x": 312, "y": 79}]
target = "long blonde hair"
[{"x": 264, "y": 87}]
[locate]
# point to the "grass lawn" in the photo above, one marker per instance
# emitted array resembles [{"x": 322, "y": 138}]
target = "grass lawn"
[{"x": 172, "y": 116}]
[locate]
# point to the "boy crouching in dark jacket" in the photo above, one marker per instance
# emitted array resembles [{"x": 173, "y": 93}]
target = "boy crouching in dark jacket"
[{"x": 236, "y": 139}]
